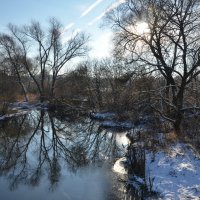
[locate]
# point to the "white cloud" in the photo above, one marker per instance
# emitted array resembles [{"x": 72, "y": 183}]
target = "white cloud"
[
  {"x": 97, "y": 19},
  {"x": 69, "y": 26},
  {"x": 113, "y": 6},
  {"x": 91, "y": 7}
]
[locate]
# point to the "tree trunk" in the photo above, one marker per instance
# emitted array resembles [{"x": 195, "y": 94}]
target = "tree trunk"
[
  {"x": 24, "y": 92},
  {"x": 52, "y": 89},
  {"x": 179, "y": 105},
  {"x": 178, "y": 121},
  {"x": 22, "y": 85}
]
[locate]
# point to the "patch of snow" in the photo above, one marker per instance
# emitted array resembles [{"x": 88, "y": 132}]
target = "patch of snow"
[
  {"x": 138, "y": 144},
  {"x": 102, "y": 116},
  {"x": 22, "y": 108},
  {"x": 8, "y": 116},
  {"x": 176, "y": 173},
  {"x": 28, "y": 106},
  {"x": 120, "y": 166},
  {"x": 2, "y": 117},
  {"x": 185, "y": 166},
  {"x": 122, "y": 140},
  {"x": 117, "y": 125},
  {"x": 139, "y": 180}
]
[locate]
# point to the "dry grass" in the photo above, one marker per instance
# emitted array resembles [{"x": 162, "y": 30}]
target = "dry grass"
[
  {"x": 171, "y": 136},
  {"x": 31, "y": 97}
]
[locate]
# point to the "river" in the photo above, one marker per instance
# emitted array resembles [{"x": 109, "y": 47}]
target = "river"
[
  {"x": 43, "y": 157},
  {"x": 47, "y": 156}
]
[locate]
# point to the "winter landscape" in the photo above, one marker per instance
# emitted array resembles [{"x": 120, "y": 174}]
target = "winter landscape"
[{"x": 100, "y": 100}]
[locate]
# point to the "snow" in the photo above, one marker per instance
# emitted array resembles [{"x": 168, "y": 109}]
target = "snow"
[
  {"x": 120, "y": 166},
  {"x": 8, "y": 116},
  {"x": 137, "y": 182},
  {"x": 102, "y": 116},
  {"x": 118, "y": 125},
  {"x": 28, "y": 106},
  {"x": 22, "y": 108},
  {"x": 173, "y": 173},
  {"x": 108, "y": 120},
  {"x": 176, "y": 173}
]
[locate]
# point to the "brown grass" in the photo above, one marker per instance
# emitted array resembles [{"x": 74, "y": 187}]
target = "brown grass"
[
  {"x": 171, "y": 136},
  {"x": 31, "y": 97}
]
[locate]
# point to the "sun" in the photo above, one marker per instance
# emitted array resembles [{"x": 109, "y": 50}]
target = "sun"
[{"x": 142, "y": 27}]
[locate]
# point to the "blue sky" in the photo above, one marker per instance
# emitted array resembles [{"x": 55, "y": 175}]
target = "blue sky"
[{"x": 75, "y": 15}]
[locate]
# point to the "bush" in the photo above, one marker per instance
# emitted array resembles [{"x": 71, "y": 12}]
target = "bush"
[{"x": 3, "y": 108}]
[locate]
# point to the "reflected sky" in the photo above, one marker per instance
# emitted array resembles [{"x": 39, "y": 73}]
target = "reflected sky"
[
  {"x": 40, "y": 156},
  {"x": 85, "y": 184}
]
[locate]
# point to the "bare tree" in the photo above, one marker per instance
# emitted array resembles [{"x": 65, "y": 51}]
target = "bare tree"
[
  {"x": 51, "y": 52},
  {"x": 163, "y": 36},
  {"x": 12, "y": 60}
]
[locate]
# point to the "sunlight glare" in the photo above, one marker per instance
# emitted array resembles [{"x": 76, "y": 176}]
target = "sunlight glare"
[{"x": 142, "y": 27}]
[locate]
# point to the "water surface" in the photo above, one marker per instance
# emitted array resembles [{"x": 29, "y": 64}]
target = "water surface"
[{"x": 42, "y": 156}]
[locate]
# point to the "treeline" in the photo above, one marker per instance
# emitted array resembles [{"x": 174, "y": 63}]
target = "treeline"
[{"x": 106, "y": 85}]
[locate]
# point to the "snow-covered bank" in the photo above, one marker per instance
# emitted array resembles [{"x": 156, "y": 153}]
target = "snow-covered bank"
[
  {"x": 28, "y": 106},
  {"x": 110, "y": 120},
  {"x": 170, "y": 173},
  {"x": 21, "y": 108},
  {"x": 8, "y": 116},
  {"x": 120, "y": 166},
  {"x": 117, "y": 125},
  {"x": 102, "y": 115},
  {"x": 176, "y": 173}
]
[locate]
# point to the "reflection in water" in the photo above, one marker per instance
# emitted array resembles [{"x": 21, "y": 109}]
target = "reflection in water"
[
  {"x": 140, "y": 182},
  {"x": 69, "y": 158}
]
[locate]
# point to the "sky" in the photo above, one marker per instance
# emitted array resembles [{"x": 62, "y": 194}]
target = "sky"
[{"x": 75, "y": 15}]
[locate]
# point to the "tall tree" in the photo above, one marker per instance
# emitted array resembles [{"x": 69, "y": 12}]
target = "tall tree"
[
  {"x": 50, "y": 51},
  {"x": 164, "y": 36}
]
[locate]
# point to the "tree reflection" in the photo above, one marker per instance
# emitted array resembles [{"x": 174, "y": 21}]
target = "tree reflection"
[
  {"x": 140, "y": 186},
  {"x": 39, "y": 145}
]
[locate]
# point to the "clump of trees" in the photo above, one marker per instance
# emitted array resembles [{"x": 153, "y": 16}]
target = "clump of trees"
[{"x": 168, "y": 44}]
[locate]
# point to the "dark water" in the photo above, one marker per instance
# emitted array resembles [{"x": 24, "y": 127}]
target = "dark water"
[{"x": 43, "y": 157}]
